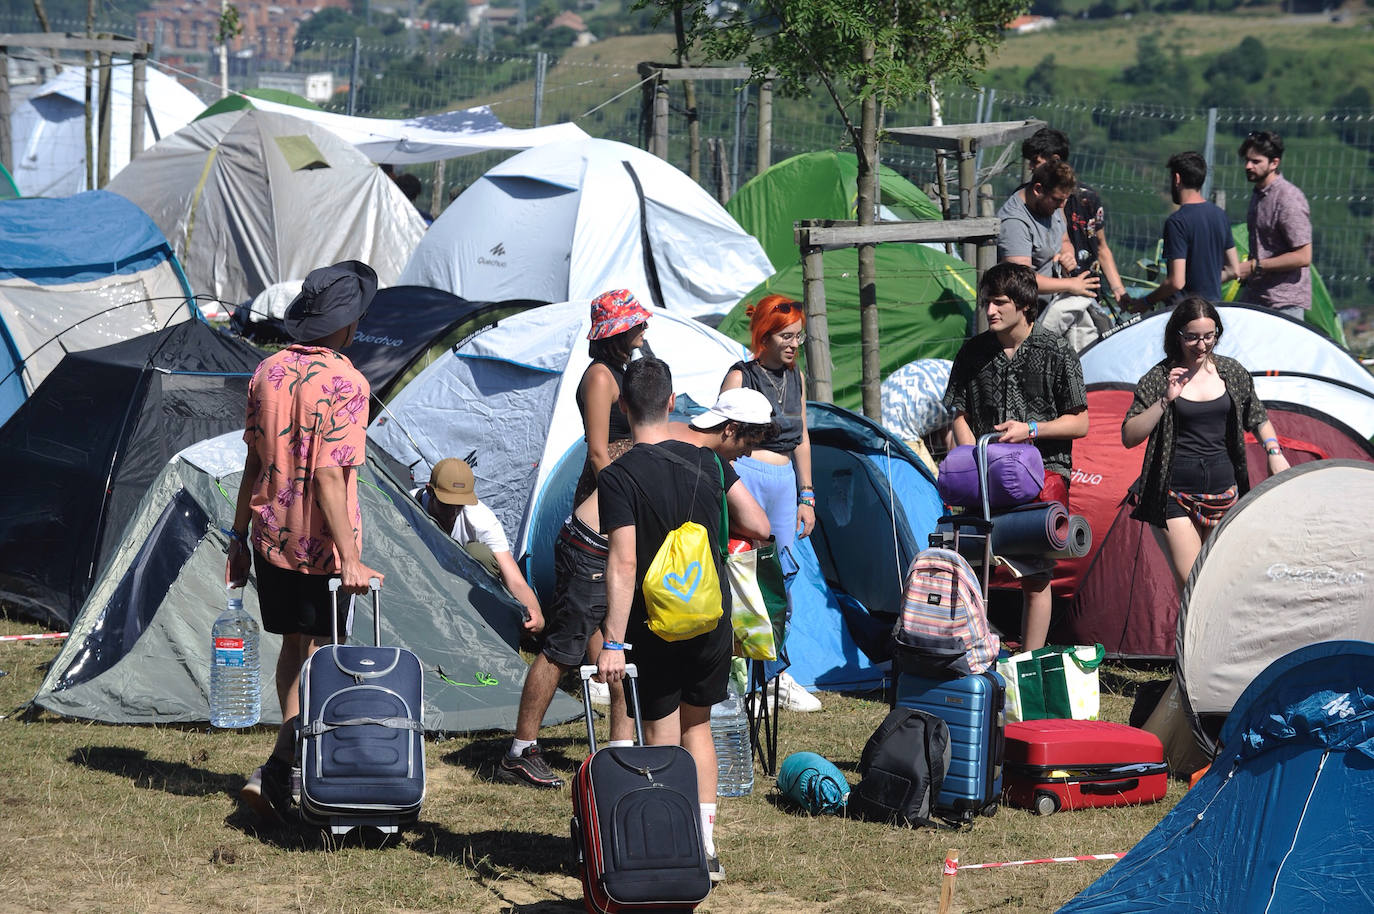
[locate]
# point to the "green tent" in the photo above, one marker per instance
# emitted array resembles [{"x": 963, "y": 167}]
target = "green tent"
[
  {"x": 925, "y": 307},
  {"x": 817, "y": 185},
  {"x": 8, "y": 189},
  {"x": 1321, "y": 315},
  {"x": 240, "y": 100}
]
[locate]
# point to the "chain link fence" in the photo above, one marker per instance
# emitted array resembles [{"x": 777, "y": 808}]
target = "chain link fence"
[{"x": 1119, "y": 149}]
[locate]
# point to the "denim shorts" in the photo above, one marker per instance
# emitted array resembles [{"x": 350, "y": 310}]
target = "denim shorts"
[{"x": 1198, "y": 476}]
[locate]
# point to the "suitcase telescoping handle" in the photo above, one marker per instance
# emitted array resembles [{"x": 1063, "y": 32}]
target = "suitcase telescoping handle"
[
  {"x": 983, "y": 525},
  {"x": 631, "y": 695},
  {"x": 373, "y": 584}
]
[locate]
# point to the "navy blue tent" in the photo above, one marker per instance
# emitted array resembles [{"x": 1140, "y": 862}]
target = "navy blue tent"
[{"x": 1281, "y": 821}]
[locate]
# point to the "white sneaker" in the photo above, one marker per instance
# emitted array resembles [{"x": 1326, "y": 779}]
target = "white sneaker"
[
  {"x": 793, "y": 697},
  {"x": 601, "y": 693}
]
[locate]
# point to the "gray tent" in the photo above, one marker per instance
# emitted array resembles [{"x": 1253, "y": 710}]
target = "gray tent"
[
  {"x": 251, "y": 198},
  {"x": 139, "y": 652},
  {"x": 1287, "y": 567}
]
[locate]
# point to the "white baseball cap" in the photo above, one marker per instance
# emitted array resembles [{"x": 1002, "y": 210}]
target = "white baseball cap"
[{"x": 740, "y": 404}]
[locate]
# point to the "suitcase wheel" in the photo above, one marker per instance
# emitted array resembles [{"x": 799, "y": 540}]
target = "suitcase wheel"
[
  {"x": 989, "y": 810},
  {"x": 1046, "y": 804}
]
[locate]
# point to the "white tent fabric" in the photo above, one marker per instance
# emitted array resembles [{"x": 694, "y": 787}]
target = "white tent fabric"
[
  {"x": 577, "y": 219},
  {"x": 506, "y": 400},
  {"x": 1287, "y": 567},
  {"x": 1351, "y": 405},
  {"x": 1259, "y": 338},
  {"x": 429, "y": 137},
  {"x": 48, "y": 128},
  {"x": 250, "y": 198}
]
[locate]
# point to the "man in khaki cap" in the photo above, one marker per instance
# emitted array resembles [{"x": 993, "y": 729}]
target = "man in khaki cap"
[{"x": 451, "y": 499}]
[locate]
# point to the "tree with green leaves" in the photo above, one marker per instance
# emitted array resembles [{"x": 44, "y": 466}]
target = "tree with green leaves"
[{"x": 873, "y": 53}]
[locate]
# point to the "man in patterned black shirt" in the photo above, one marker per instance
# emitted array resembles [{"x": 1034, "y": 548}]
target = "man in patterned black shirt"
[{"x": 1025, "y": 383}]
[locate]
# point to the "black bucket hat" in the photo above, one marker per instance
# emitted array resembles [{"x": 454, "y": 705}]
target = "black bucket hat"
[{"x": 331, "y": 298}]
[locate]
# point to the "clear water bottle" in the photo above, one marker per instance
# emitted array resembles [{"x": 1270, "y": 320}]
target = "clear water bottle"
[
  {"x": 235, "y": 684},
  {"x": 734, "y": 754}
]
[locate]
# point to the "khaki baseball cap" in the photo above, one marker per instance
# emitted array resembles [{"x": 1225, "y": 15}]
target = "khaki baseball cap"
[{"x": 452, "y": 482}]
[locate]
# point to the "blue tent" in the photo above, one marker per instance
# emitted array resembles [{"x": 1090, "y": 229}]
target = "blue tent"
[
  {"x": 1280, "y": 823},
  {"x": 78, "y": 273},
  {"x": 876, "y": 505}
]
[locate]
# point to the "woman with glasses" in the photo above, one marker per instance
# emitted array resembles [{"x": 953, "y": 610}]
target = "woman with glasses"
[
  {"x": 1192, "y": 410},
  {"x": 778, "y": 474}
]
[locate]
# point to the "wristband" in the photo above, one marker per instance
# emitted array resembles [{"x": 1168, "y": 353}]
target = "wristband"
[
  {"x": 808, "y": 500},
  {"x": 616, "y": 646},
  {"x": 1273, "y": 451},
  {"x": 1034, "y": 429},
  {"x": 1273, "y": 441},
  {"x": 806, "y": 489}
]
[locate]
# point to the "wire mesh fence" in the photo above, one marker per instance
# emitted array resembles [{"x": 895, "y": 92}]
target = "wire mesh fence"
[{"x": 1118, "y": 148}]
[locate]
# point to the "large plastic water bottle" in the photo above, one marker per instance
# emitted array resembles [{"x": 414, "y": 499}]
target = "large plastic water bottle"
[
  {"x": 235, "y": 683},
  {"x": 734, "y": 754}
]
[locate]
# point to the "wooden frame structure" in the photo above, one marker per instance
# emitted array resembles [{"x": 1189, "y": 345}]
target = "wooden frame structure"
[{"x": 105, "y": 47}]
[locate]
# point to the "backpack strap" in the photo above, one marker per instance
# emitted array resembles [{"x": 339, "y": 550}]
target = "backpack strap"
[{"x": 724, "y": 536}]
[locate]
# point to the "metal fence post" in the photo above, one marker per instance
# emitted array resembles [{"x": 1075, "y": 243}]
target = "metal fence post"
[
  {"x": 353, "y": 76},
  {"x": 541, "y": 69},
  {"x": 1209, "y": 153}
]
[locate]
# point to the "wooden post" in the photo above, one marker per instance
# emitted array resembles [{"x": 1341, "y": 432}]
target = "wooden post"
[
  {"x": 689, "y": 92},
  {"x": 967, "y": 176},
  {"x": 987, "y": 252},
  {"x": 436, "y": 190},
  {"x": 871, "y": 377},
  {"x": 660, "y": 142},
  {"x": 5, "y": 144},
  {"x": 720, "y": 167},
  {"x": 138, "y": 102},
  {"x": 102, "y": 176},
  {"x": 820, "y": 371},
  {"x": 951, "y": 870},
  {"x": 765, "y": 153}
]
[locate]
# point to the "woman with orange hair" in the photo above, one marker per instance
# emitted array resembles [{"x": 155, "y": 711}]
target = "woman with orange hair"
[{"x": 778, "y": 474}]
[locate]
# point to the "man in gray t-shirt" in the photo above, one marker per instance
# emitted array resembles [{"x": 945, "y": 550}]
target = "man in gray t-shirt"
[{"x": 1032, "y": 234}]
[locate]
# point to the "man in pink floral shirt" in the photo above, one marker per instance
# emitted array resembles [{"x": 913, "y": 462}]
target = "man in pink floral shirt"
[{"x": 306, "y": 431}]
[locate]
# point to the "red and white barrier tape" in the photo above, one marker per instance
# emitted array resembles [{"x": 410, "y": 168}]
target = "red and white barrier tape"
[
  {"x": 987, "y": 866},
  {"x": 41, "y": 636}
]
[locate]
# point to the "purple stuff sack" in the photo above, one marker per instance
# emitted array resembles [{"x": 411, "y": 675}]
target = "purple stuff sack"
[{"x": 1016, "y": 474}]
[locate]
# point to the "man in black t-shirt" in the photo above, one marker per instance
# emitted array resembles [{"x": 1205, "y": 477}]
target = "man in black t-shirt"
[
  {"x": 1198, "y": 248},
  {"x": 644, "y": 495}
]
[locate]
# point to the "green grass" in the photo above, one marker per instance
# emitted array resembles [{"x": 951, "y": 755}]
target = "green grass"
[{"x": 105, "y": 818}]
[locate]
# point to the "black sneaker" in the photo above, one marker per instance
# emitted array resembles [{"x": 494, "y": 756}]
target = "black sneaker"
[
  {"x": 268, "y": 791},
  {"x": 530, "y": 768},
  {"x": 714, "y": 869}
]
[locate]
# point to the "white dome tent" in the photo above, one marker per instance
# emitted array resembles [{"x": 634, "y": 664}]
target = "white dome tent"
[{"x": 568, "y": 221}]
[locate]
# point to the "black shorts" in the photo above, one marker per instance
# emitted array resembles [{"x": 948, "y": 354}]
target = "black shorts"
[
  {"x": 694, "y": 672},
  {"x": 579, "y": 602},
  {"x": 1198, "y": 476},
  {"x": 293, "y": 603}
]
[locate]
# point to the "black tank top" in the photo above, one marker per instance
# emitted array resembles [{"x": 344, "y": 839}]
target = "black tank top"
[
  {"x": 1201, "y": 427},
  {"x": 784, "y": 390},
  {"x": 619, "y": 429}
]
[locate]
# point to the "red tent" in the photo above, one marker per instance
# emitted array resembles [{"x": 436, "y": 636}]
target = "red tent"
[{"x": 1122, "y": 593}]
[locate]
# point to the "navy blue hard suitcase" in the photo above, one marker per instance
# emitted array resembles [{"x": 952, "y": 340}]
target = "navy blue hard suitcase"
[
  {"x": 636, "y": 822},
  {"x": 974, "y": 709},
  {"x": 361, "y": 738}
]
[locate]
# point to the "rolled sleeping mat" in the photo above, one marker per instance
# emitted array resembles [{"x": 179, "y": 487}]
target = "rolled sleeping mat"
[
  {"x": 1037, "y": 529},
  {"x": 1080, "y": 539}
]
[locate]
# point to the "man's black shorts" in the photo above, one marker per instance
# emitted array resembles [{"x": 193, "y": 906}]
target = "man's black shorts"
[
  {"x": 579, "y": 603},
  {"x": 293, "y": 603},
  {"x": 694, "y": 672}
]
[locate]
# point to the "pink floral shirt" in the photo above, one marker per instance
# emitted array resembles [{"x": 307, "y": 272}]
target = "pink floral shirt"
[{"x": 307, "y": 409}]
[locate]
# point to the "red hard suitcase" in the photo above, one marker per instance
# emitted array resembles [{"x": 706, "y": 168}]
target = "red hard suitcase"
[{"x": 1079, "y": 764}]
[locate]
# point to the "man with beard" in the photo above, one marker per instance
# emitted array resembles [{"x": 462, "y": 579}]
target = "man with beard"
[
  {"x": 1199, "y": 251},
  {"x": 1278, "y": 272}
]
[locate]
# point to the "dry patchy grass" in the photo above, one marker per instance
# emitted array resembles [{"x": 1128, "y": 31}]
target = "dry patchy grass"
[{"x": 104, "y": 819}]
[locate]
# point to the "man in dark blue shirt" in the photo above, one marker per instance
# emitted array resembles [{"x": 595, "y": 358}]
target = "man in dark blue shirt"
[{"x": 1198, "y": 247}]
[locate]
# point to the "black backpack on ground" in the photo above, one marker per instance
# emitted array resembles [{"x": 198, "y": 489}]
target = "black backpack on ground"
[{"x": 903, "y": 768}]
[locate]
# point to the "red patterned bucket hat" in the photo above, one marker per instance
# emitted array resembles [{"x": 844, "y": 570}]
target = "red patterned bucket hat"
[{"x": 615, "y": 312}]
